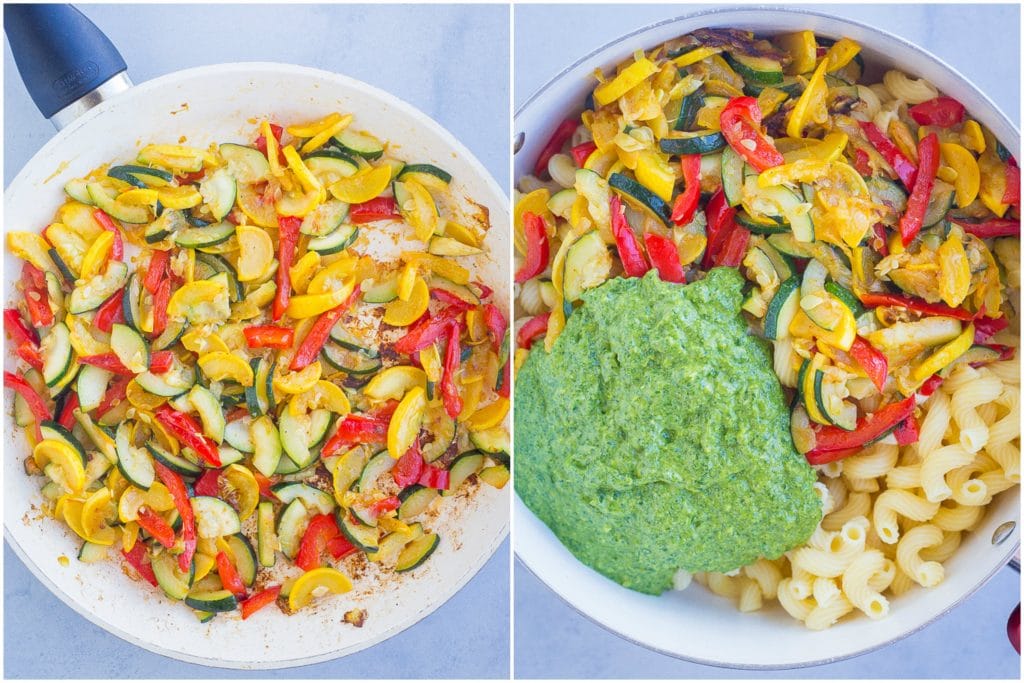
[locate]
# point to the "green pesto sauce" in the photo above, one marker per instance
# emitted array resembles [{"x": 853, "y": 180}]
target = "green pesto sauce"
[{"x": 655, "y": 435}]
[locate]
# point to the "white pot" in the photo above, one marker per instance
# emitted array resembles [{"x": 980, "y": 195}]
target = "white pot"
[
  {"x": 696, "y": 625},
  {"x": 216, "y": 104}
]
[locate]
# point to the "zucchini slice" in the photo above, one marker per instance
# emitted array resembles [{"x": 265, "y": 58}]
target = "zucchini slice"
[
  {"x": 415, "y": 500},
  {"x": 364, "y": 537},
  {"x": 134, "y": 463},
  {"x": 587, "y": 264},
  {"x": 173, "y": 462},
  {"x": 641, "y": 198},
  {"x": 462, "y": 468},
  {"x": 324, "y": 219},
  {"x": 246, "y": 164},
  {"x": 782, "y": 309},
  {"x": 266, "y": 539},
  {"x": 313, "y": 498},
  {"x": 351, "y": 362},
  {"x": 701, "y": 142},
  {"x": 219, "y": 190},
  {"x": 214, "y": 517},
  {"x": 56, "y": 351},
  {"x": 337, "y": 240},
  {"x": 376, "y": 466},
  {"x": 417, "y": 552},
  {"x": 212, "y": 601},
  {"x": 754, "y": 69},
  {"x": 174, "y": 582},
  {"x": 237, "y": 434},
  {"x": 290, "y": 527},
  {"x": 244, "y": 556},
  {"x": 360, "y": 144},
  {"x": 197, "y": 238}
]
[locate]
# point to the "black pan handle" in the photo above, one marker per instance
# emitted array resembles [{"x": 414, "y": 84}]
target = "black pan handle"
[{"x": 61, "y": 55}]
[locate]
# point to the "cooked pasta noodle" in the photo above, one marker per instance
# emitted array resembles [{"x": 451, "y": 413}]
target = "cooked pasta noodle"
[
  {"x": 750, "y": 597},
  {"x": 822, "y": 617},
  {"x": 910, "y": 90},
  {"x": 896, "y": 502},
  {"x": 857, "y": 580},
  {"x": 530, "y": 297},
  {"x": 936, "y": 465},
  {"x": 908, "y": 557},
  {"x": 973, "y": 430},
  {"x": 874, "y": 462},
  {"x": 872, "y": 103}
]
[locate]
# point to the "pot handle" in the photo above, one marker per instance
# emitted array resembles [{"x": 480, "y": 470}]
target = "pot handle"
[{"x": 67, "y": 64}]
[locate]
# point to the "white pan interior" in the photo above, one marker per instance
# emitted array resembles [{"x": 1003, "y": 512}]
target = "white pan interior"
[
  {"x": 696, "y": 625},
  {"x": 218, "y": 104}
]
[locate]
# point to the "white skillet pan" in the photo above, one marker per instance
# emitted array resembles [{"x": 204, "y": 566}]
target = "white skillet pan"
[
  {"x": 211, "y": 104},
  {"x": 696, "y": 625}
]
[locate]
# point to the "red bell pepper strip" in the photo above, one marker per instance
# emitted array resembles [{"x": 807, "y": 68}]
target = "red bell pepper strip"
[
  {"x": 357, "y": 429},
  {"x": 505, "y": 387},
  {"x": 318, "y": 334},
  {"x": 339, "y": 547},
  {"x": 445, "y": 297},
  {"x": 434, "y": 478},
  {"x": 1011, "y": 195},
  {"x": 930, "y": 385},
  {"x": 497, "y": 325},
  {"x": 832, "y": 440},
  {"x": 905, "y": 169},
  {"x": 208, "y": 483},
  {"x": 580, "y": 153},
  {"x": 735, "y": 247},
  {"x": 881, "y": 243},
  {"x": 409, "y": 467},
  {"x": 944, "y": 112},
  {"x": 184, "y": 428},
  {"x": 537, "y": 250},
  {"x": 17, "y": 330},
  {"x": 268, "y": 337},
  {"x": 161, "y": 299},
  {"x": 66, "y": 419},
  {"x": 634, "y": 263},
  {"x": 985, "y": 327},
  {"x": 288, "y": 239},
  {"x": 30, "y": 354},
  {"x": 107, "y": 361},
  {"x": 994, "y": 227},
  {"x": 873, "y": 299},
  {"x": 907, "y": 432},
  {"x": 665, "y": 257},
  {"x": 116, "y": 392},
  {"x": 176, "y": 487},
  {"x": 263, "y": 482},
  {"x": 261, "y": 143},
  {"x": 384, "y": 506},
  {"x": 136, "y": 558},
  {"x": 554, "y": 146},
  {"x": 321, "y": 529},
  {"x": 872, "y": 361},
  {"x": 452, "y": 359},
  {"x": 687, "y": 201},
  {"x": 161, "y": 361},
  {"x": 156, "y": 526},
  {"x": 741, "y": 125},
  {"x": 429, "y": 329},
  {"x": 917, "y": 204},
  {"x": 1005, "y": 352},
  {"x": 156, "y": 270},
  {"x": 195, "y": 176},
  {"x": 110, "y": 312},
  {"x": 485, "y": 291},
  {"x": 720, "y": 223},
  {"x": 117, "y": 250},
  {"x": 535, "y": 327},
  {"x": 377, "y": 209},
  {"x": 37, "y": 298},
  {"x": 229, "y": 576},
  {"x": 35, "y": 402},
  {"x": 862, "y": 162},
  {"x": 250, "y": 606}
]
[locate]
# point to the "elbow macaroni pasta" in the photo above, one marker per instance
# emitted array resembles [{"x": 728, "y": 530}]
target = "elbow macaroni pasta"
[{"x": 893, "y": 514}]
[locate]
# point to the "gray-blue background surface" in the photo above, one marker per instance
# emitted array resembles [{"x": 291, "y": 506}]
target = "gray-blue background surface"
[
  {"x": 554, "y": 641},
  {"x": 452, "y": 62}
]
